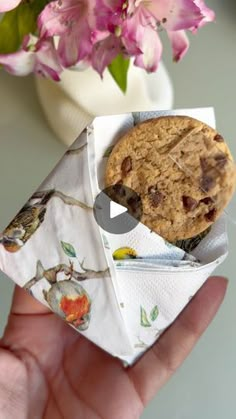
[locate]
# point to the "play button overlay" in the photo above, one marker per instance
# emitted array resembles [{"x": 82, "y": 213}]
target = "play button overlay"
[{"x": 117, "y": 209}]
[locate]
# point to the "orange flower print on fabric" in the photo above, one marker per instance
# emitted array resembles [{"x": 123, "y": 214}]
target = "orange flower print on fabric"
[{"x": 75, "y": 308}]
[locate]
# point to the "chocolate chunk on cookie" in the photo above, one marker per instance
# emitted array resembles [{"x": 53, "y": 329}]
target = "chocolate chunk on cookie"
[
  {"x": 156, "y": 197},
  {"x": 126, "y": 166},
  {"x": 181, "y": 168},
  {"x": 189, "y": 203},
  {"x": 218, "y": 138}
]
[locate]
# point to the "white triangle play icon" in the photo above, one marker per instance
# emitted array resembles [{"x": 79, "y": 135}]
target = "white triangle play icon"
[{"x": 116, "y": 209}]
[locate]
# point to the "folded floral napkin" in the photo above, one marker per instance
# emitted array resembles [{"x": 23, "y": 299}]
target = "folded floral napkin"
[{"x": 55, "y": 249}]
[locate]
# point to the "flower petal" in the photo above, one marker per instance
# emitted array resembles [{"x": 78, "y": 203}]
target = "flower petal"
[
  {"x": 208, "y": 15},
  {"x": 74, "y": 22},
  {"x": 151, "y": 51},
  {"x": 179, "y": 43},
  {"x": 59, "y": 17},
  {"x": 20, "y": 63},
  {"x": 141, "y": 30},
  {"x": 6, "y": 5},
  {"x": 104, "y": 52},
  {"x": 176, "y": 14},
  {"x": 47, "y": 61},
  {"x": 38, "y": 56},
  {"x": 75, "y": 46},
  {"x": 108, "y": 14}
]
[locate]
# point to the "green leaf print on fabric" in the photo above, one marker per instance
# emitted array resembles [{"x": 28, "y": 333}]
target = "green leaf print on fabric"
[
  {"x": 143, "y": 318},
  {"x": 68, "y": 249},
  {"x": 154, "y": 313}
]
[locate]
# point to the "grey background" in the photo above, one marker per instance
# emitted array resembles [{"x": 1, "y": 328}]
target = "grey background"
[{"x": 205, "y": 385}]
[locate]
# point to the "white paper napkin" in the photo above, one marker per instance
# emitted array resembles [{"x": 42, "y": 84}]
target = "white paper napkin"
[
  {"x": 65, "y": 259},
  {"x": 151, "y": 294}
]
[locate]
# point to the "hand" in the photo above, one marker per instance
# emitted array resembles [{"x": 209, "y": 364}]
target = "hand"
[{"x": 48, "y": 370}]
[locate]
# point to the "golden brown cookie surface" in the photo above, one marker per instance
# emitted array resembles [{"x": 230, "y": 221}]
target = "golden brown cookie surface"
[{"x": 181, "y": 168}]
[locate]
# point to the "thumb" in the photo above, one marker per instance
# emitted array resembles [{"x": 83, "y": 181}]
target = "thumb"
[{"x": 23, "y": 303}]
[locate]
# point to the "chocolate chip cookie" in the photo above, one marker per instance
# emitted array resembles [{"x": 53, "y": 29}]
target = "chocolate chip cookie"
[{"x": 181, "y": 168}]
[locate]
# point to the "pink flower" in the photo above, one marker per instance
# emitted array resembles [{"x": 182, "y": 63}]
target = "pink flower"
[
  {"x": 38, "y": 56},
  {"x": 179, "y": 43},
  {"x": 132, "y": 33},
  {"x": 6, "y": 5},
  {"x": 136, "y": 26},
  {"x": 74, "y": 22},
  {"x": 145, "y": 17},
  {"x": 175, "y": 15},
  {"x": 95, "y": 31},
  {"x": 110, "y": 21},
  {"x": 208, "y": 15},
  {"x": 140, "y": 29},
  {"x": 104, "y": 52},
  {"x": 110, "y": 14}
]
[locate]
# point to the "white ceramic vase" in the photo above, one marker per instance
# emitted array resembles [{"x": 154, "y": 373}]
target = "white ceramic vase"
[{"x": 72, "y": 103}]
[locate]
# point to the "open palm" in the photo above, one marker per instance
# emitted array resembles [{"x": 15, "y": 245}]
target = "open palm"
[{"x": 48, "y": 370}]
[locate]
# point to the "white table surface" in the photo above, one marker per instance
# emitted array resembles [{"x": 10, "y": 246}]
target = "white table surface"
[{"x": 205, "y": 386}]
